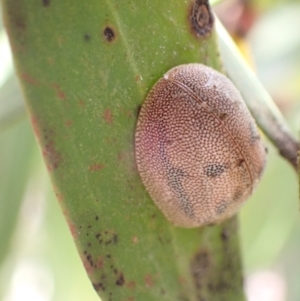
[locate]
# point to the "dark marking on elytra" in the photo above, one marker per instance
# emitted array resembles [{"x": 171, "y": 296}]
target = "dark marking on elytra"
[
  {"x": 240, "y": 162},
  {"x": 109, "y": 34},
  {"x": 174, "y": 177},
  {"x": 237, "y": 194},
  {"x": 221, "y": 207},
  {"x": 222, "y": 116},
  {"x": 201, "y": 18},
  {"x": 214, "y": 170},
  {"x": 254, "y": 135}
]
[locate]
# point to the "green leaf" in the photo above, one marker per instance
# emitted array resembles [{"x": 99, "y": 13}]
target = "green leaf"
[{"x": 85, "y": 68}]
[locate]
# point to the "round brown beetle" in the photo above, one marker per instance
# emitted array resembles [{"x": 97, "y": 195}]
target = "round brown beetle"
[{"x": 198, "y": 150}]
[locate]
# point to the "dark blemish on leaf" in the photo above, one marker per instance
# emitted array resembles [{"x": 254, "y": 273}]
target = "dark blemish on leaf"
[
  {"x": 89, "y": 244},
  {"x": 46, "y": 3},
  {"x": 90, "y": 259},
  {"x": 96, "y": 287},
  {"x": 100, "y": 264},
  {"x": 98, "y": 235},
  {"x": 96, "y": 167},
  {"x": 225, "y": 235},
  {"x": 107, "y": 116},
  {"x": 97, "y": 217},
  {"x": 86, "y": 37},
  {"x": 201, "y": 18},
  {"x": 89, "y": 226},
  {"x": 99, "y": 286},
  {"x": 109, "y": 34},
  {"x": 200, "y": 266},
  {"x": 120, "y": 280},
  {"x": 108, "y": 256},
  {"x": 29, "y": 79},
  {"x": 266, "y": 150},
  {"x": 59, "y": 93},
  {"x": 214, "y": 170}
]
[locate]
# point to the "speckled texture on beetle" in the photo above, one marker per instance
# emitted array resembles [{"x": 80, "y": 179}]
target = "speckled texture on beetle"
[{"x": 198, "y": 150}]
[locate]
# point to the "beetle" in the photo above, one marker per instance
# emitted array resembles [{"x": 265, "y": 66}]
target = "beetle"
[{"x": 198, "y": 150}]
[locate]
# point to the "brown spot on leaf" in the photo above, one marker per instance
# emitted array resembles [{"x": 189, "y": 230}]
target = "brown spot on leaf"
[
  {"x": 201, "y": 18},
  {"x": 121, "y": 156},
  {"x": 81, "y": 103},
  {"x": 107, "y": 115},
  {"x": 109, "y": 34},
  {"x": 99, "y": 286},
  {"x": 49, "y": 151},
  {"x": 149, "y": 281},
  {"x": 59, "y": 92},
  {"x": 87, "y": 265},
  {"x": 34, "y": 124},
  {"x": 96, "y": 167},
  {"x": 131, "y": 285},
  {"x": 68, "y": 123},
  {"x": 29, "y": 79},
  {"x": 100, "y": 262},
  {"x": 200, "y": 267}
]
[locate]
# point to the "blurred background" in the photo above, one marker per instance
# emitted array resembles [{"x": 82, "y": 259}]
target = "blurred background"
[{"x": 37, "y": 254}]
